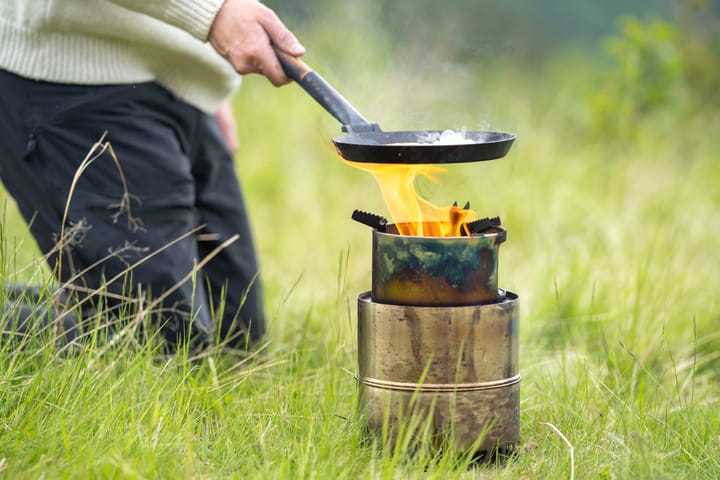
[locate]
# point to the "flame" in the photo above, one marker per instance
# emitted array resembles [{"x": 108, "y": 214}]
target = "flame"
[{"x": 412, "y": 214}]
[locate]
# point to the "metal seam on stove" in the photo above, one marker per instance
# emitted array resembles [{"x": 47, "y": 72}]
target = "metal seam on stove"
[{"x": 439, "y": 387}]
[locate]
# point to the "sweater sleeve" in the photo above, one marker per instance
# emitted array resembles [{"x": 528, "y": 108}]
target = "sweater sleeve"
[{"x": 193, "y": 16}]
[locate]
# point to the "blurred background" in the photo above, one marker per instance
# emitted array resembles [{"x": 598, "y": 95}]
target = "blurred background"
[{"x": 611, "y": 194}]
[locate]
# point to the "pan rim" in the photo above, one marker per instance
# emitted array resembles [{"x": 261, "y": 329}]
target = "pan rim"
[
  {"x": 498, "y": 136},
  {"x": 367, "y": 147}
]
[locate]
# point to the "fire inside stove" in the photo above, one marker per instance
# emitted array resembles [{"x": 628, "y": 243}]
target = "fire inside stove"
[
  {"x": 412, "y": 214},
  {"x": 432, "y": 270}
]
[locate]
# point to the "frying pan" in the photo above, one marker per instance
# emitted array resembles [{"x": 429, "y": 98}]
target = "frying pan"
[{"x": 365, "y": 142}]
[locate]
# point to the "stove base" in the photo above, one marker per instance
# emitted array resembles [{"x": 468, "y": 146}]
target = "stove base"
[{"x": 455, "y": 367}]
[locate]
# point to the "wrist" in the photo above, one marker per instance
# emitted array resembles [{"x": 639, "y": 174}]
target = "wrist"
[{"x": 194, "y": 16}]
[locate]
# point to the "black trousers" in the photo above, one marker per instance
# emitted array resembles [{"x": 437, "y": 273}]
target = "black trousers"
[{"x": 177, "y": 175}]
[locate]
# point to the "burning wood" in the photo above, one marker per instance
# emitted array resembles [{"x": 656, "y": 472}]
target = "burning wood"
[{"x": 457, "y": 223}]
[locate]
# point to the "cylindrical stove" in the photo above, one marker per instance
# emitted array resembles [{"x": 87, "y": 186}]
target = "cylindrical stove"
[{"x": 438, "y": 340}]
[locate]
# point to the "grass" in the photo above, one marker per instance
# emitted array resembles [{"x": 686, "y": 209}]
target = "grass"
[{"x": 613, "y": 248}]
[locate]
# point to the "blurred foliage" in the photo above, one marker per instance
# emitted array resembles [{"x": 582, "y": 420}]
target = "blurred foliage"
[
  {"x": 661, "y": 68},
  {"x": 649, "y": 76},
  {"x": 699, "y": 42},
  {"x": 468, "y": 30}
]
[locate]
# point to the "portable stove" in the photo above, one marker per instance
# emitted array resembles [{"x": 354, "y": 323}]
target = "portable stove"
[{"x": 437, "y": 337}]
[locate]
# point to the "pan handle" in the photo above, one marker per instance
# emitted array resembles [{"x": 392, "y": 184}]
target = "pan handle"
[{"x": 324, "y": 94}]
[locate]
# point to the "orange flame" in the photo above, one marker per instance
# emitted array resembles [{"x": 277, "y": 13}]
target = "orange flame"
[{"x": 412, "y": 214}]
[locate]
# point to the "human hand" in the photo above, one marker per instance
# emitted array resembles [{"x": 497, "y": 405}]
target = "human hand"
[
  {"x": 226, "y": 121},
  {"x": 243, "y": 32}
]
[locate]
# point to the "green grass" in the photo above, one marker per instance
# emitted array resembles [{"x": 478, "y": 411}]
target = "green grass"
[{"x": 612, "y": 246}]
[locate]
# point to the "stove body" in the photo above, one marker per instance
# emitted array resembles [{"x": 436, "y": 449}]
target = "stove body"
[{"x": 438, "y": 341}]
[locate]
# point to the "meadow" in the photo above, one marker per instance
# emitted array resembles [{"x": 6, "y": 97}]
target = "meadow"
[{"x": 612, "y": 208}]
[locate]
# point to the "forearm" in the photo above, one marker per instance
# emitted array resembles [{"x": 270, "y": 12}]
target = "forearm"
[
  {"x": 242, "y": 31},
  {"x": 193, "y": 16}
]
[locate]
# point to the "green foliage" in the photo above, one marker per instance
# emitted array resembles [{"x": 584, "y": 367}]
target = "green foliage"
[
  {"x": 467, "y": 31},
  {"x": 648, "y": 76},
  {"x": 660, "y": 68},
  {"x": 700, "y": 46}
]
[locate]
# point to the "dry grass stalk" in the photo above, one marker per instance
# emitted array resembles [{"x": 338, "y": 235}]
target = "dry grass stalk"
[{"x": 72, "y": 233}]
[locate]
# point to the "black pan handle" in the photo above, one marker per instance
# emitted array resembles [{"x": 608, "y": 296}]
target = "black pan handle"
[{"x": 324, "y": 94}]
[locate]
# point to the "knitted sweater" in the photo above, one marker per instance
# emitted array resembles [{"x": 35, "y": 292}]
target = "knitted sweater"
[{"x": 97, "y": 42}]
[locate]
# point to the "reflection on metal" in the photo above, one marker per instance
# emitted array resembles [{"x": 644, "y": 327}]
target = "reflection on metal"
[
  {"x": 456, "y": 365},
  {"x": 435, "y": 271},
  {"x": 436, "y": 387}
]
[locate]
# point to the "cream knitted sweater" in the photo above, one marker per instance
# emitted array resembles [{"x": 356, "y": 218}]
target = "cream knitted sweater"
[{"x": 98, "y": 42}]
